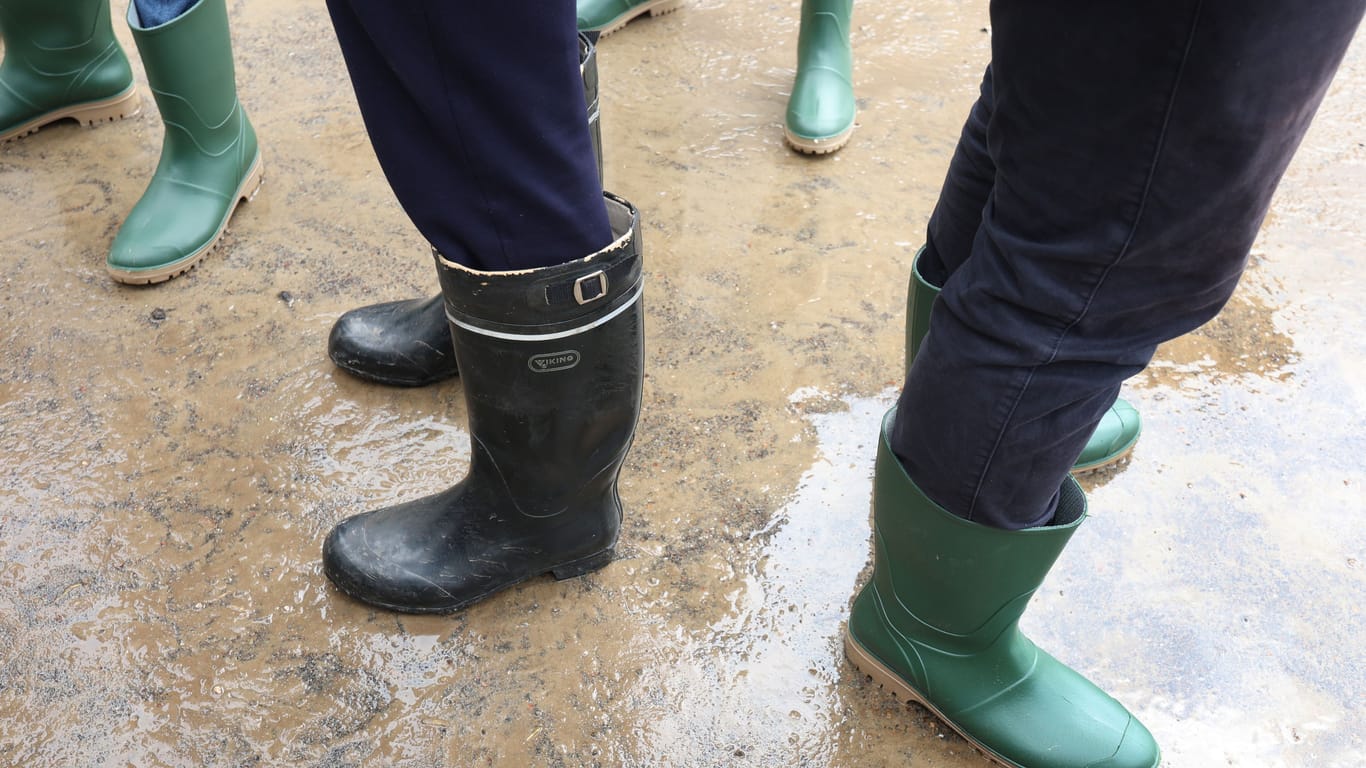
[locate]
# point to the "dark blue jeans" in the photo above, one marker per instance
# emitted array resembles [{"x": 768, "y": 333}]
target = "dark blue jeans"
[
  {"x": 475, "y": 111},
  {"x": 154, "y": 13},
  {"x": 1103, "y": 198}
]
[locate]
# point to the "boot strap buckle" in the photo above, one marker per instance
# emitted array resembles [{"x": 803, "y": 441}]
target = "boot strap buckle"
[{"x": 597, "y": 287}]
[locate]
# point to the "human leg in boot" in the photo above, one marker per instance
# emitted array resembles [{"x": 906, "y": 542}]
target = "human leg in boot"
[
  {"x": 1132, "y": 175},
  {"x": 552, "y": 387},
  {"x": 820, "y": 111},
  {"x": 209, "y": 157},
  {"x": 407, "y": 343},
  {"x": 607, "y": 16},
  {"x": 949, "y": 240},
  {"x": 541, "y": 281},
  {"x": 1116, "y": 432},
  {"x": 61, "y": 62}
]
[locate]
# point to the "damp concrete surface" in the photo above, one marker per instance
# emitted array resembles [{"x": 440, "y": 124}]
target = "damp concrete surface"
[{"x": 174, "y": 455}]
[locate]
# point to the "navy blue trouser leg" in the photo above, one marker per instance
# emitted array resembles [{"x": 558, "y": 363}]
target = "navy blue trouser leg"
[
  {"x": 1105, "y": 193},
  {"x": 475, "y": 111},
  {"x": 967, "y": 186}
]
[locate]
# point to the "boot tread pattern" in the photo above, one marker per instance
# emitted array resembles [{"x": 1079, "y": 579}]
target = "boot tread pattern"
[
  {"x": 653, "y": 7},
  {"x": 823, "y": 146},
  {"x": 90, "y": 114}
]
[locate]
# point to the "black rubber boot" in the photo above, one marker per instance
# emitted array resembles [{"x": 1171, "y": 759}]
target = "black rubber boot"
[
  {"x": 407, "y": 343},
  {"x": 553, "y": 371}
]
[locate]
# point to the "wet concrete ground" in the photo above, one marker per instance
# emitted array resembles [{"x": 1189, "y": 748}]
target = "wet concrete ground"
[{"x": 175, "y": 455}]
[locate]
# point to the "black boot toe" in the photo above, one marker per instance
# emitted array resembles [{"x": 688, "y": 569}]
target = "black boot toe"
[{"x": 400, "y": 343}]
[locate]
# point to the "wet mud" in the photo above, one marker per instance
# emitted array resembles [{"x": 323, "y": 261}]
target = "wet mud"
[{"x": 176, "y": 454}]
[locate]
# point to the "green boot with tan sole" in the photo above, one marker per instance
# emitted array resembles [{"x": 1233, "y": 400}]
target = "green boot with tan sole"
[
  {"x": 61, "y": 63},
  {"x": 209, "y": 157},
  {"x": 820, "y": 111},
  {"x": 938, "y": 624}
]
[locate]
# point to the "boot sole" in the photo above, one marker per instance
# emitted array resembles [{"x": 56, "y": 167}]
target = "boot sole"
[
  {"x": 246, "y": 192},
  {"x": 91, "y": 113},
  {"x": 889, "y": 681},
  {"x": 1103, "y": 463},
  {"x": 391, "y": 381},
  {"x": 654, "y": 8},
  {"x": 822, "y": 146},
  {"x": 569, "y": 570}
]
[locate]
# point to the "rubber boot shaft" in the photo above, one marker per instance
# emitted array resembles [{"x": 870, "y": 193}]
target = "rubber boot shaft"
[
  {"x": 209, "y": 155},
  {"x": 553, "y": 362},
  {"x": 407, "y": 343},
  {"x": 61, "y": 61}
]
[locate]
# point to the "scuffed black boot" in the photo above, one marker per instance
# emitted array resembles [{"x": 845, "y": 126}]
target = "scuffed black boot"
[
  {"x": 552, "y": 361},
  {"x": 407, "y": 343},
  {"x": 400, "y": 343}
]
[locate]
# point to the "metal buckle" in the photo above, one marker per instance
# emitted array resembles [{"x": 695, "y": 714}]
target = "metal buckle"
[{"x": 602, "y": 287}]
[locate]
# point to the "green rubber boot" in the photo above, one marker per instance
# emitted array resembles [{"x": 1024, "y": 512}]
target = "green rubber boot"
[
  {"x": 61, "y": 63},
  {"x": 1118, "y": 429},
  {"x": 607, "y": 16},
  {"x": 209, "y": 158},
  {"x": 938, "y": 624},
  {"x": 820, "y": 112}
]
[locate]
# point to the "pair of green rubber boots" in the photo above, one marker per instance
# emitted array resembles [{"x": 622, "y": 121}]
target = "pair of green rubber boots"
[
  {"x": 62, "y": 62},
  {"x": 820, "y": 111},
  {"x": 938, "y": 623}
]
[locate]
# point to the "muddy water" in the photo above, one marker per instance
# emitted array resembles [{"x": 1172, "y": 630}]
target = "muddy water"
[{"x": 176, "y": 454}]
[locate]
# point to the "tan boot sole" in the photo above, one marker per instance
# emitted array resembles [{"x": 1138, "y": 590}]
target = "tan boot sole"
[
  {"x": 888, "y": 680},
  {"x": 818, "y": 146},
  {"x": 92, "y": 113},
  {"x": 654, "y": 8},
  {"x": 1110, "y": 462},
  {"x": 246, "y": 192}
]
